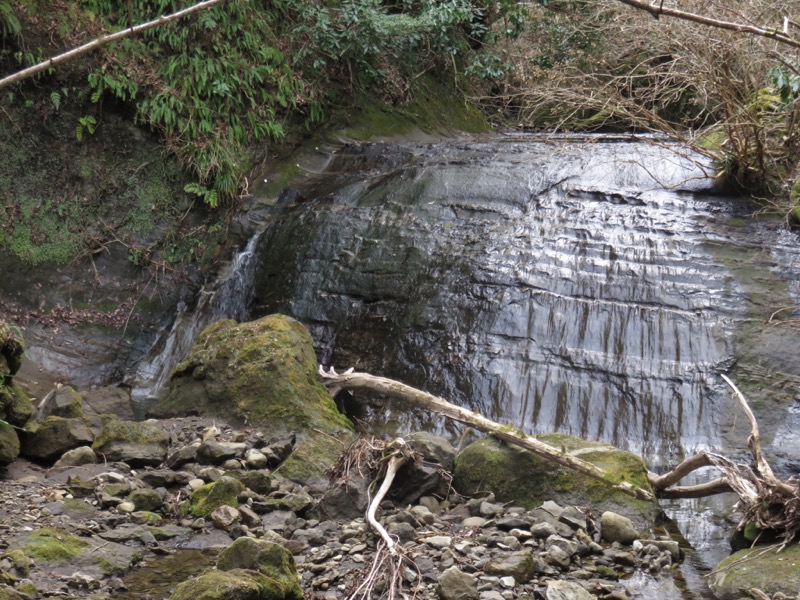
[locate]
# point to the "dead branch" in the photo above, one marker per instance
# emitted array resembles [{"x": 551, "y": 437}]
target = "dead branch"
[
  {"x": 394, "y": 389},
  {"x": 662, "y": 482},
  {"x": 658, "y": 9},
  {"x": 102, "y": 41},
  {"x": 754, "y": 442},
  {"x": 396, "y": 461}
]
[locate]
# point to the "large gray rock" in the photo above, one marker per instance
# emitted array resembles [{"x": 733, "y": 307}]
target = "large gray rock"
[
  {"x": 63, "y": 401},
  {"x": 454, "y": 584},
  {"x": 135, "y": 443},
  {"x": 566, "y": 590},
  {"x": 51, "y": 438},
  {"x": 526, "y": 479},
  {"x": 76, "y": 457},
  {"x": 108, "y": 400},
  {"x": 519, "y": 565},
  {"x": 616, "y": 528},
  {"x": 9, "y": 445}
]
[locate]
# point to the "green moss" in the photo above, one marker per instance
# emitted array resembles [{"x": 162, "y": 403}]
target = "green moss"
[
  {"x": 20, "y": 562},
  {"x": 106, "y": 566},
  {"x": 435, "y": 108},
  {"x": 135, "y": 432},
  {"x": 516, "y": 475},
  {"x": 77, "y": 504},
  {"x": 54, "y": 545},
  {"x": 768, "y": 571},
  {"x": 737, "y": 221},
  {"x": 269, "y": 559},
  {"x": 237, "y": 584},
  {"x": 224, "y": 491}
]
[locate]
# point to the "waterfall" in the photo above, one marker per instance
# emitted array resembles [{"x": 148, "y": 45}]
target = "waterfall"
[{"x": 225, "y": 298}]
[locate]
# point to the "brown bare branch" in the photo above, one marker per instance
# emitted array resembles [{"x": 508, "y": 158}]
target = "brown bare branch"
[
  {"x": 102, "y": 41},
  {"x": 701, "y": 490},
  {"x": 662, "y": 482},
  {"x": 659, "y": 9}
]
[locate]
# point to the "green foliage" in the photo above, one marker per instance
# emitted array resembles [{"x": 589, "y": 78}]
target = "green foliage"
[
  {"x": 87, "y": 122},
  {"x": 210, "y": 197},
  {"x": 9, "y": 23},
  {"x": 786, "y": 82}
]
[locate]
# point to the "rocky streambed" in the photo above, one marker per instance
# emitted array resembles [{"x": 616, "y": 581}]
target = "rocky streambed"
[
  {"x": 252, "y": 485},
  {"x": 83, "y": 530}
]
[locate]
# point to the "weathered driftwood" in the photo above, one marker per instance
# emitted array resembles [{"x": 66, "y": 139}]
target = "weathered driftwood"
[
  {"x": 395, "y": 389},
  {"x": 765, "y": 500}
]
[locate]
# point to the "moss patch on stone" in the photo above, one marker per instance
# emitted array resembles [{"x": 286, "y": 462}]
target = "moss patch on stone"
[
  {"x": 54, "y": 545},
  {"x": 516, "y": 475},
  {"x": 224, "y": 491},
  {"x": 270, "y": 559},
  {"x": 752, "y": 568},
  {"x": 238, "y": 584}
]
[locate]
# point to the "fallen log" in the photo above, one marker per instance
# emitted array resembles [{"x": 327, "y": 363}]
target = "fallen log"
[
  {"x": 764, "y": 499},
  {"x": 394, "y": 389}
]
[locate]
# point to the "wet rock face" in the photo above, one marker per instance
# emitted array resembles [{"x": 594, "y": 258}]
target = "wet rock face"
[{"x": 550, "y": 285}]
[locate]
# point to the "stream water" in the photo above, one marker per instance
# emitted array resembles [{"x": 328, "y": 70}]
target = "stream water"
[{"x": 593, "y": 285}]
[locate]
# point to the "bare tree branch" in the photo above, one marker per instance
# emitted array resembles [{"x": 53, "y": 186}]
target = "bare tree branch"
[
  {"x": 658, "y": 9},
  {"x": 405, "y": 393},
  {"x": 102, "y": 41}
]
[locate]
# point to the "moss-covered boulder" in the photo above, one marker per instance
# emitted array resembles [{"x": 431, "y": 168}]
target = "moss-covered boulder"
[
  {"x": 269, "y": 559},
  {"x": 15, "y": 406},
  {"x": 12, "y": 348},
  {"x": 63, "y": 401},
  {"x": 225, "y": 491},
  {"x": 134, "y": 442},
  {"x": 9, "y": 444},
  {"x": 248, "y": 569},
  {"x": 518, "y": 476},
  {"x": 49, "y": 439},
  {"x": 263, "y": 373},
  {"x": 238, "y": 584},
  {"x": 768, "y": 571}
]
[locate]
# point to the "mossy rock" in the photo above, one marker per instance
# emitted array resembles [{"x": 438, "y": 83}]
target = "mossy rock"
[
  {"x": 519, "y": 476},
  {"x": 238, "y": 584},
  {"x": 15, "y": 406},
  {"x": 263, "y": 373},
  {"x": 268, "y": 558},
  {"x": 9, "y": 444},
  {"x": 55, "y": 545},
  {"x": 12, "y": 347},
  {"x": 134, "y": 442},
  {"x": 224, "y": 491},
  {"x": 8, "y": 593},
  {"x": 768, "y": 571},
  {"x": 49, "y": 439}
]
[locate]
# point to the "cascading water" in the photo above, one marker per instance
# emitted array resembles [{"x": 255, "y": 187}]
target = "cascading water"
[
  {"x": 226, "y": 298},
  {"x": 555, "y": 284}
]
